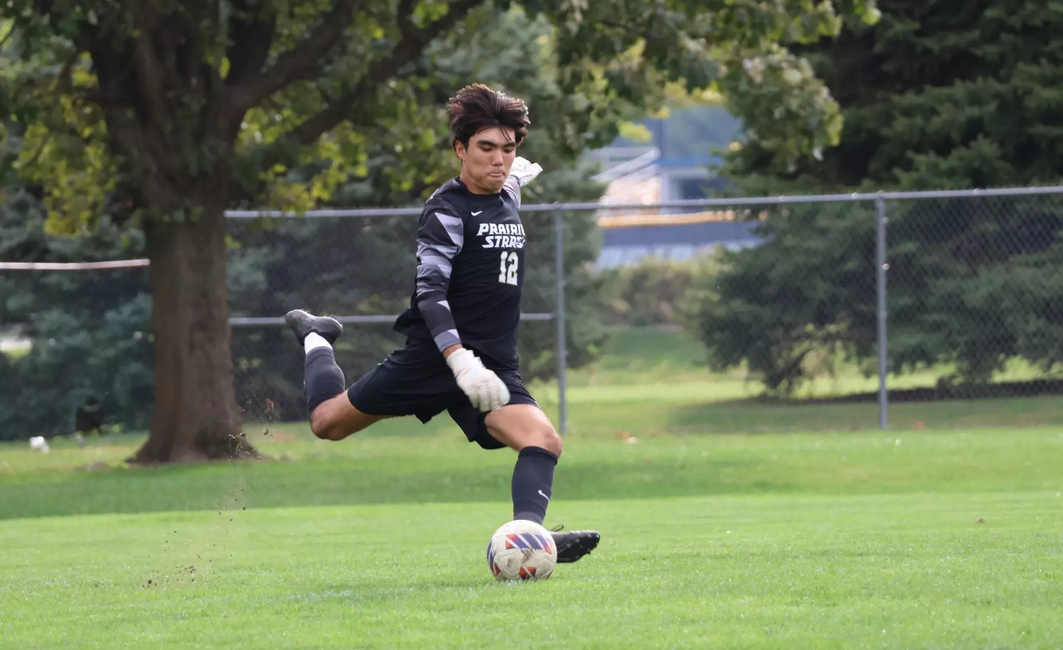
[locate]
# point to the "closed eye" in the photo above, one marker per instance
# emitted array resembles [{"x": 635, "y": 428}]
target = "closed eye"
[{"x": 487, "y": 145}]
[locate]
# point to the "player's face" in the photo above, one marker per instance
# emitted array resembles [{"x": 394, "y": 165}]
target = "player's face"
[{"x": 485, "y": 163}]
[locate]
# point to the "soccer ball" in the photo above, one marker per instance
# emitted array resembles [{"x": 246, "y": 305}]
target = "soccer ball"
[{"x": 521, "y": 550}]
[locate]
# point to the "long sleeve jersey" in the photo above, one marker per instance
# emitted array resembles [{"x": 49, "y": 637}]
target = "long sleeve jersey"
[{"x": 470, "y": 271}]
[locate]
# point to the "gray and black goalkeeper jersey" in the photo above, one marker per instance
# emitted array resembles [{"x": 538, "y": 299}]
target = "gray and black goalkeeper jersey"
[{"x": 470, "y": 270}]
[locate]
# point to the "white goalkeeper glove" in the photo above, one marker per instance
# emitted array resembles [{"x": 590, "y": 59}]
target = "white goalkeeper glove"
[
  {"x": 485, "y": 390},
  {"x": 524, "y": 170}
]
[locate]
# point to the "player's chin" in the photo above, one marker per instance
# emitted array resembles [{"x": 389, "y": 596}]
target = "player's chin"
[{"x": 495, "y": 181}]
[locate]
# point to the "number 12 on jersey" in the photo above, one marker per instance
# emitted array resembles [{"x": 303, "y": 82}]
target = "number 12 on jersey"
[{"x": 508, "y": 274}]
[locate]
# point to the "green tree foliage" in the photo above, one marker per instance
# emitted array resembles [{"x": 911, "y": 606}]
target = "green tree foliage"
[
  {"x": 803, "y": 297},
  {"x": 654, "y": 291},
  {"x": 937, "y": 95},
  {"x": 163, "y": 114}
]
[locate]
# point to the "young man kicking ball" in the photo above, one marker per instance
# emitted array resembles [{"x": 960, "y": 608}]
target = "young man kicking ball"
[{"x": 461, "y": 327}]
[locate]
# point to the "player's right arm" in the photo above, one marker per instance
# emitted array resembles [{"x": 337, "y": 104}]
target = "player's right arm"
[{"x": 440, "y": 238}]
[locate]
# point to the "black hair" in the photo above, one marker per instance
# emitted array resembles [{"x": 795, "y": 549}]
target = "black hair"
[{"x": 477, "y": 107}]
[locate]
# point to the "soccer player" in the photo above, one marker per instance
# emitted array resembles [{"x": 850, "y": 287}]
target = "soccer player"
[{"x": 461, "y": 326}]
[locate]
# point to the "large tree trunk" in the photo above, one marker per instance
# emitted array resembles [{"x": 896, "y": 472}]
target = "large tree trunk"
[{"x": 195, "y": 416}]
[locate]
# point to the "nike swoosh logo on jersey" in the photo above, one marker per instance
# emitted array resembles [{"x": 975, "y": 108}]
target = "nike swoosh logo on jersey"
[{"x": 476, "y": 213}]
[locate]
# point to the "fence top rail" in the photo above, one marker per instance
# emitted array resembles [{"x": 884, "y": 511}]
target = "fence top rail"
[{"x": 691, "y": 203}]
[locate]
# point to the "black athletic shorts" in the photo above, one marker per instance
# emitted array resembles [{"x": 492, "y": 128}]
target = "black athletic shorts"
[{"x": 416, "y": 380}]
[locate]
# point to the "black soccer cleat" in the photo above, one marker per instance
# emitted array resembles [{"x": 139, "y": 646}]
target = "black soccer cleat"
[
  {"x": 303, "y": 323},
  {"x": 572, "y": 546}
]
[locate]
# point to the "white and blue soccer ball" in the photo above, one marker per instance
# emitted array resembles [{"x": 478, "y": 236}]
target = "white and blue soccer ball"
[{"x": 521, "y": 550}]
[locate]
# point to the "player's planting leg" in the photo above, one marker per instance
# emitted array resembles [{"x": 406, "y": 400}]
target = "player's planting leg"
[
  {"x": 331, "y": 415},
  {"x": 532, "y": 485},
  {"x": 526, "y": 429}
]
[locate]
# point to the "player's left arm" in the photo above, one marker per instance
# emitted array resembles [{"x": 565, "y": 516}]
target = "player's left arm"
[{"x": 521, "y": 173}]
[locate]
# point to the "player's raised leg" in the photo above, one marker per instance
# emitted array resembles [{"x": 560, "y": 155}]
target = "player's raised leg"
[
  {"x": 526, "y": 429},
  {"x": 332, "y": 417}
]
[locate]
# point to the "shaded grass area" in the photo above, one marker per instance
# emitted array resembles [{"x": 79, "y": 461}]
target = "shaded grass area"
[
  {"x": 668, "y": 412},
  {"x": 445, "y": 468},
  {"x": 646, "y": 355},
  {"x": 653, "y": 380}
]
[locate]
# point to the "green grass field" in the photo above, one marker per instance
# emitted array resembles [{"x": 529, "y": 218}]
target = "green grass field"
[
  {"x": 725, "y": 523},
  {"x": 901, "y": 539}
]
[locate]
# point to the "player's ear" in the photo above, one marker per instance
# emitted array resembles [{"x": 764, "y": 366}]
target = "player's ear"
[{"x": 459, "y": 150}]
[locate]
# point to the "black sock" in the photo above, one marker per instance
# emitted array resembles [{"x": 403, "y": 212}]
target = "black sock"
[
  {"x": 323, "y": 379},
  {"x": 533, "y": 479}
]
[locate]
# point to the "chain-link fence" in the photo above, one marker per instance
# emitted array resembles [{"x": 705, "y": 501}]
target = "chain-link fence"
[
  {"x": 975, "y": 298},
  {"x": 911, "y": 298},
  {"x": 684, "y": 316}
]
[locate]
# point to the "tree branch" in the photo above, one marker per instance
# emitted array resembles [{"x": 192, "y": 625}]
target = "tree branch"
[
  {"x": 299, "y": 63},
  {"x": 250, "y": 37},
  {"x": 150, "y": 75},
  {"x": 405, "y": 11},
  {"x": 408, "y": 49},
  {"x": 142, "y": 155}
]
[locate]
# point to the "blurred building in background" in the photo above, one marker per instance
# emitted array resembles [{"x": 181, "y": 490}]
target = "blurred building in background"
[{"x": 674, "y": 165}]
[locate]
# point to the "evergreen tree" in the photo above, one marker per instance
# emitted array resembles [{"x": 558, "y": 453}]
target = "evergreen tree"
[{"x": 937, "y": 95}]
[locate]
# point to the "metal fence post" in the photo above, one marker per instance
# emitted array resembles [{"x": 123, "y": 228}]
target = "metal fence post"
[
  {"x": 559, "y": 317},
  {"x": 881, "y": 266}
]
